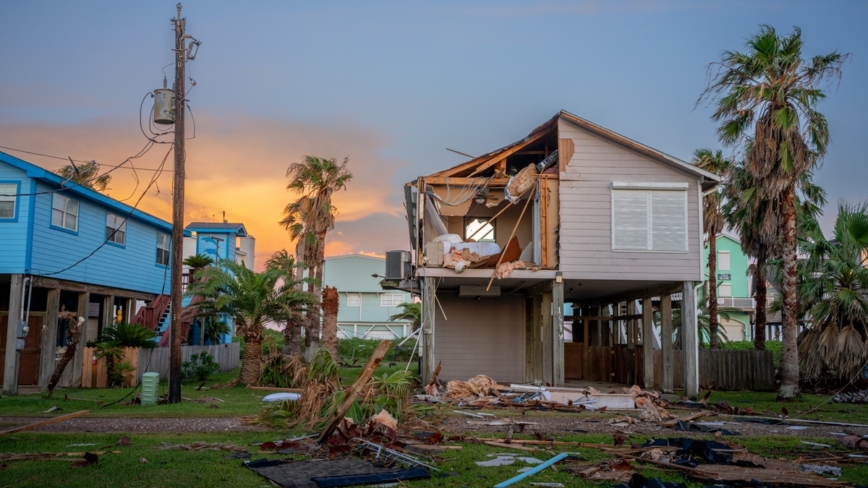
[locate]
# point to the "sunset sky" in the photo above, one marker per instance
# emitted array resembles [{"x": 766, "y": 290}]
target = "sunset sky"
[{"x": 390, "y": 85}]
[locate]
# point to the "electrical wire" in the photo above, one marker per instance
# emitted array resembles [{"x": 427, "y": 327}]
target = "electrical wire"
[{"x": 142, "y": 196}]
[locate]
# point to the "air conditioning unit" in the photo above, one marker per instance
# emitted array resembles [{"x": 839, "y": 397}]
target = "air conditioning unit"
[{"x": 397, "y": 265}]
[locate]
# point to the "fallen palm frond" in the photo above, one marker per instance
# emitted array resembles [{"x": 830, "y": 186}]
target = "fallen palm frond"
[
  {"x": 48, "y": 456},
  {"x": 201, "y": 446}
]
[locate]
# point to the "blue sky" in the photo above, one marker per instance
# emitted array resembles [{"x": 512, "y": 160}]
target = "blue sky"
[{"x": 391, "y": 85}]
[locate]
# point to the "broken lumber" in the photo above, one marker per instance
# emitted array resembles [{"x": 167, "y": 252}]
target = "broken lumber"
[
  {"x": 504, "y": 445},
  {"x": 355, "y": 389},
  {"x": 274, "y": 388},
  {"x": 535, "y": 470},
  {"x": 52, "y": 420}
]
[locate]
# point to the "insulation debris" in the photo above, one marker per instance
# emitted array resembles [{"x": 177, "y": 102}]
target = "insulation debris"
[{"x": 478, "y": 386}]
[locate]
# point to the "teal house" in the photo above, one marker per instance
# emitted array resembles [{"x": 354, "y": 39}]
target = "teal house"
[
  {"x": 365, "y": 307},
  {"x": 734, "y": 297}
]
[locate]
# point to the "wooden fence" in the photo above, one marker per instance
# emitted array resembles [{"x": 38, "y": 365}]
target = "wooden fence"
[
  {"x": 727, "y": 369},
  {"x": 94, "y": 373}
]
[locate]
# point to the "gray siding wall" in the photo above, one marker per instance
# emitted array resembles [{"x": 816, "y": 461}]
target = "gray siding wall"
[
  {"x": 480, "y": 337},
  {"x": 585, "y": 214}
]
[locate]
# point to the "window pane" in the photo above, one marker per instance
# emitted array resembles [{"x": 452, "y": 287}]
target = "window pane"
[
  {"x": 120, "y": 237},
  {"x": 72, "y": 206},
  {"x": 109, "y": 233},
  {"x": 630, "y": 220},
  {"x": 57, "y": 218},
  {"x": 58, "y": 202},
  {"x": 669, "y": 220},
  {"x": 723, "y": 261},
  {"x": 472, "y": 225},
  {"x": 7, "y": 210},
  {"x": 71, "y": 222},
  {"x": 7, "y": 192}
]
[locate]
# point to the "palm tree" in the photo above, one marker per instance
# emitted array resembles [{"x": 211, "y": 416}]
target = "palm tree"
[
  {"x": 251, "y": 299},
  {"x": 712, "y": 219},
  {"x": 769, "y": 95},
  {"x": 197, "y": 262},
  {"x": 290, "y": 271},
  {"x": 411, "y": 312},
  {"x": 310, "y": 218},
  {"x": 87, "y": 175},
  {"x": 833, "y": 286}
]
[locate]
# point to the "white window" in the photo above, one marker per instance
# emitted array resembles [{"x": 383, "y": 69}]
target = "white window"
[
  {"x": 354, "y": 299},
  {"x": 649, "y": 219},
  {"x": 163, "y": 249},
  {"x": 391, "y": 299},
  {"x": 115, "y": 229},
  {"x": 724, "y": 290},
  {"x": 8, "y": 200},
  {"x": 723, "y": 260},
  {"x": 64, "y": 212}
]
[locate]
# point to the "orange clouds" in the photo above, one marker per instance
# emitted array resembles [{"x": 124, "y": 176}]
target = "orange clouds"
[{"x": 237, "y": 164}]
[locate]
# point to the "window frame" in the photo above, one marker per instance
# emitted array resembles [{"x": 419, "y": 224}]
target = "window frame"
[
  {"x": 391, "y": 303},
  {"x": 16, "y": 190},
  {"x": 110, "y": 239},
  {"x": 477, "y": 238},
  {"x": 355, "y": 296},
  {"x": 168, "y": 250},
  {"x": 720, "y": 290},
  {"x": 648, "y": 189},
  {"x": 65, "y": 213},
  {"x": 728, "y": 261}
]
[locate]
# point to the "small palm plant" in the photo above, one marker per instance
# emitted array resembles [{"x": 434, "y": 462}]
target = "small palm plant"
[
  {"x": 411, "y": 312},
  {"x": 112, "y": 341}
]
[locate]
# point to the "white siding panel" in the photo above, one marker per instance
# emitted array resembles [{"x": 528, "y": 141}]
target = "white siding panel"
[{"x": 585, "y": 213}]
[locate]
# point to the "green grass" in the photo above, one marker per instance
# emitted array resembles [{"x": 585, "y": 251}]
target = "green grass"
[
  {"x": 209, "y": 468},
  {"x": 236, "y": 400},
  {"x": 764, "y": 403}
]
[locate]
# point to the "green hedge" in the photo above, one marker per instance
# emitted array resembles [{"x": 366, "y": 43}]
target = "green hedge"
[
  {"x": 776, "y": 347},
  {"x": 357, "y": 351}
]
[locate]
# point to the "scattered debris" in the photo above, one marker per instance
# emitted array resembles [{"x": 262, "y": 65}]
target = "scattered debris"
[
  {"x": 821, "y": 469},
  {"x": 817, "y": 444},
  {"x": 649, "y": 412},
  {"x": 478, "y": 386},
  {"x": 143, "y": 461},
  {"x": 90, "y": 459},
  {"x": 852, "y": 442},
  {"x": 123, "y": 441},
  {"x": 201, "y": 446},
  {"x": 343, "y": 472},
  {"x": 281, "y": 397},
  {"x": 498, "y": 461},
  {"x": 531, "y": 472},
  {"x": 639, "y": 481},
  {"x": 852, "y": 397},
  {"x": 710, "y": 427},
  {"x": 52, "y": 409}
]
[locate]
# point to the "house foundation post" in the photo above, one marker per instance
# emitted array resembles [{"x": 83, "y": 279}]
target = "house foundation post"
[
  {"x": 83, "y": 301},
  {"x": 10, "y": 365},
  {"x": 690, "y": 340},
  {"x": 647, "y": 342},
  {"x": 558, "y": 330},
  {"x": 429, "y": 305},
  {"x": 49, "y": 339},
  {"x": 666, "y": 350},
  {"x": 631, "y": 344}
]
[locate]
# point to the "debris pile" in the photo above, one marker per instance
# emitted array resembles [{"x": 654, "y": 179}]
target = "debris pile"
[{"x": 852, "y": 397}]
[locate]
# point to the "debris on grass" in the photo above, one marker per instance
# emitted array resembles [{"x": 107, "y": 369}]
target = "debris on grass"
[
  {"x": 201, "y": 446},
  {"x": 90, "y": 458},
  {"x": 533, "y": 471}
]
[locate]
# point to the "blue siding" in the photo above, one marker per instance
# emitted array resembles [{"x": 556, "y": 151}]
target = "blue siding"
[
  {"x": 13, "y": 233},
  {"x": 352, "y": 274},
  {"x": 207, "y": 246},
  {"x": 132, "y": 267},
  {"x": 371, "y": 310}
]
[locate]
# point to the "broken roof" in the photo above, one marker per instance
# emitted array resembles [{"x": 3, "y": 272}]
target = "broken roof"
[{"x": 476, "y": 165}]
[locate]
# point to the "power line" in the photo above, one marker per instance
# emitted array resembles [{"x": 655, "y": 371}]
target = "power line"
[{"x": 117, "y": 166}]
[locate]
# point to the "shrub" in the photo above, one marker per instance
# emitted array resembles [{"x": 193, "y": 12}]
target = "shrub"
[
  {"x": 776, "y": 347},
  {"x": 357, "y": 351},
  {"x": 200, "y": 366}
]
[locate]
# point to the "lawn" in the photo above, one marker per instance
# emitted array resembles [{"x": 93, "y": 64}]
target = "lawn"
[
  {"x": 237, "y": 401},
  {"x": 763, "y": 403},
  {"x": 210, "y": 468}
]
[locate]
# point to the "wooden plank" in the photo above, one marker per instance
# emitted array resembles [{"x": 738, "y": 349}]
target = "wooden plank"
[
  {"x": 647, "y": 343},
  {"x": 50, "y": 421},
  {"x": 505, "y": 154},
  {"x": 459, "y": 181},
  {"x": 566, "y": 149},
  {"x": 585, "y": 351},
  {"x": 354, "y": 390}
]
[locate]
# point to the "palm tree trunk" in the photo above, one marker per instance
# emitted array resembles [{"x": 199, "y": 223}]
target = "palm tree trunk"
[
  {"x": 251, "y": 361},
  {"x": 712, "y": 291},
  {"x": 314, "y": 314},
  {"x": 789, "y": 388},
  {"x": 292, "y": 335},
  {"x": 72, "y": 337},
  {"x": 330, "y": 304},
  {"x": 759, "y": 341}
]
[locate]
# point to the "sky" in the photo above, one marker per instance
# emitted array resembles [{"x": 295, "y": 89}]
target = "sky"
[{"x": 389, "y": 85}]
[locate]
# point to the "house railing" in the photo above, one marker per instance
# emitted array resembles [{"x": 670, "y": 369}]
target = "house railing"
[{"x": 736, "y": 302}]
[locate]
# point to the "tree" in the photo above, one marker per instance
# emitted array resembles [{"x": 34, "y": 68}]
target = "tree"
[
  {"x": 87, "y": 175},
  {"x": 290, "y": 271},
  {"x": 411, "y": 312},
  {"x": 310, "y": 218},
  {"x": 769, "y": 95},
  {"x": 833, "y": 289},
  {"x": 712, "y": 219},
  {"x": 197, "y": 262},
  {"x": 330, "y": 306},
  {"x": 251, "y": 299}
]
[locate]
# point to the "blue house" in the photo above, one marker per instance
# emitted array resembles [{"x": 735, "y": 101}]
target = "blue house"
[
  {"x": 218, "y": 241},
  {"x": 65, "y": 246},
  {"x": 365, "y": 307}
]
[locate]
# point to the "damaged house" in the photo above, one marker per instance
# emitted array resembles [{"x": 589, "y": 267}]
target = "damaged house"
[{"x": 572, "y": 213}]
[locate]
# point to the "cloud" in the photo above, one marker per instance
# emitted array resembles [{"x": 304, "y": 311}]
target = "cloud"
[{"x": 237, "y": 164}]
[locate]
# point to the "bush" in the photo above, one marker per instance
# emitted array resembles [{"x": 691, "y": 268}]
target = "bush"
[
  {"x": 200, "y": 366},
  {"x": 357, "y": 351},
  {"x": 776, "y": 347}
]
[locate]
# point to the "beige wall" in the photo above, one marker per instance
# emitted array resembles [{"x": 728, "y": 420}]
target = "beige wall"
[
  {"x": 585, "y": 213},
  {"x": 484, "y": 336},
  {"x": 503, "y": 225}
]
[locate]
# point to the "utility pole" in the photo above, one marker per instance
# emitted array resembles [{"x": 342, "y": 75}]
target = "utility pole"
[{"x": 177, "y": 213}]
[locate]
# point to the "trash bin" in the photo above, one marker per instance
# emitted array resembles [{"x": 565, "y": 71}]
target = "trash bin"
[{"x": 150, "y": 386}]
